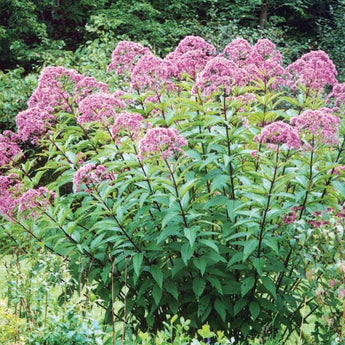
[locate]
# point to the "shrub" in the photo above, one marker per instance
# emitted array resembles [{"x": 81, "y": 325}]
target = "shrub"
[{"x": 192, "y": 189}]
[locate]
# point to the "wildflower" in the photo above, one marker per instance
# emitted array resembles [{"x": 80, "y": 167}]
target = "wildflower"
[
  {"x": 341, "y": 293},
  {"x": 126, "y": 55},
  {"x": 35, "y": 201},
  {"x": 58, "y": 85},
  {"x": 238, "y": 51},
  {"x": 320, "y": 123},
  {"x": 9, "y": 149},
  {"x": 33, "y": 123},
  {"x": 91, "y": 175},
  {"x": 340, "y": 170},
  {"x": 338, "y": 93},
  {"x": 151, "y": 72},
  {"x": 164, "y": 141},
  {"x": 190, "y": 56},
  {"x": 265, "y": 62},
  {"x": 220, "y": 74},
  {"x": 315, "y": 70},
  {"x": 99, "y": 107},
  {"x": 11, "y": 188},
  {"x": 129, "y": 121},
  {"x": 279, "y": 133},
  {"x": 292, "y": 216}
]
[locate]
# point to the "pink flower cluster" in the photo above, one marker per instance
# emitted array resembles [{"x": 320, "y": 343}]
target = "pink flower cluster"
[
  {"x": 220, "y": 74},
  {"x": 322, "y": 124},
  {"x": 9, "y": 149},
  {"x": 126, "y": 55},
  {"x": 12, "y": 196},
  {"x": 151, "y": 72},
  {"x": 238, "y": 51},
  {"x": 99, "y": 107},
  {"x": 265, "y": 62},
  {"x": 163, "y": 141},
  {"x": 279, "y": 133},
  {"x": 314, "y": 70},
  {"x": 11, "y": 188},
  {"x": 57, "y": 85},
  {"x": 338, "y": 93},
  {"x": 340, "y": 170},
  {"x": 191, "y": 56},
  {"x": 35, "y": 201},
  {"x": 132, "y": 122},
  {"x": 292, "y": 216},
  {"x": 33, "y": 123},
  {"x": 91, "y": 174}
]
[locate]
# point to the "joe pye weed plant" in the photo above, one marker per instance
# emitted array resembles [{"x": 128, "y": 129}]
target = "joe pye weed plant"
[{"x": 188, "y": 185}]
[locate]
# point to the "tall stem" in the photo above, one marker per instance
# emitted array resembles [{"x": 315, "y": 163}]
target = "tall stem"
[
  {"x": 231, "y": 170},
  {"x": 177, "y": 193}
]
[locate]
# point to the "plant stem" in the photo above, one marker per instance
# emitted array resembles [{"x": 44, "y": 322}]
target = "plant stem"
[{"x": 177, "y": 193}]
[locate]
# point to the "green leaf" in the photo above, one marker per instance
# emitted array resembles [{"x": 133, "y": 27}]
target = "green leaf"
[
  {"x": 186, "y": 253},
  {"x": 204, "y": 307},
  {"x": 235, "y": 258},
  {"x": 239, "y": 305},
  {"x": 157, "y": 293},
  {"x": 247, "y": 285},
  {"x": 200, "y": 263},
  {"x": 219, "y": 182},
  {"x": 272, "y": 242},
  {"x": 259, "y": 265},
  {"x": 190, "y": 235},
  {"x": 249, "y": 248},
  {"x": 254, "y": 309},
  {"x": 210, "y": 244},
  {"x": 269, "y": 286},
  {"x": 216, "y": 284},
  {"x": 199, "y": 285},
  {"x": 220, "y": 307},
  {"x": 172, "y": 288},
  {"x": 137, "y": 262},
  {"x": 157, "y": 275}
]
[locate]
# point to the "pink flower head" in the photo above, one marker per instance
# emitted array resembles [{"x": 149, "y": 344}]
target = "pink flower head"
[
  {"x": 132, "y": 122},
  {"x": 280, "y": 133},
  {"x": 190, "y": 56},
  {"x": 91, "y": 174},
  {"x": 314, "y": 70},
  {"x": 151, "y": 72},
  {"x": 238, "y": 51},
  {"x": 338, "y": 93},
  {"x": 51, "y": 92},
  {"x": 320, "y": 123},
  {"x": 86, "y": 86},
  {"x": 164, "y": 141},
  {"x": 340, "y": 170},
  {"x": 9, "y": 149},
  {"x": 220, "y": 74},
  {"x": 58, "y": 85},
  {"x": 126, "y": 55},
  {"x": 99, "y": 107},
  {"x": 265, "y": 62},
  {"x": 292, "y": 216},
  {"x": 33, "y": 123},
  {"x": 242, "y": 102},
  {"x": 11, "y": 188},
  {"x": 36, "y": 201},
  {"x": 341, "y": 293}
]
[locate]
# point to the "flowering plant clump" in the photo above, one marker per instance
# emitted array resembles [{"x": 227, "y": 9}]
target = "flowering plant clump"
[{"x": 192, "y": 184}]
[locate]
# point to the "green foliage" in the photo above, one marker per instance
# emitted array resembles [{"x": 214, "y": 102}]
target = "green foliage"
[
  {"x": 202, "y": 233},
  {"x": 15, "y": 90},
  {"x": 34, "y": 314},
  {"x": 11, "y": 327}
]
